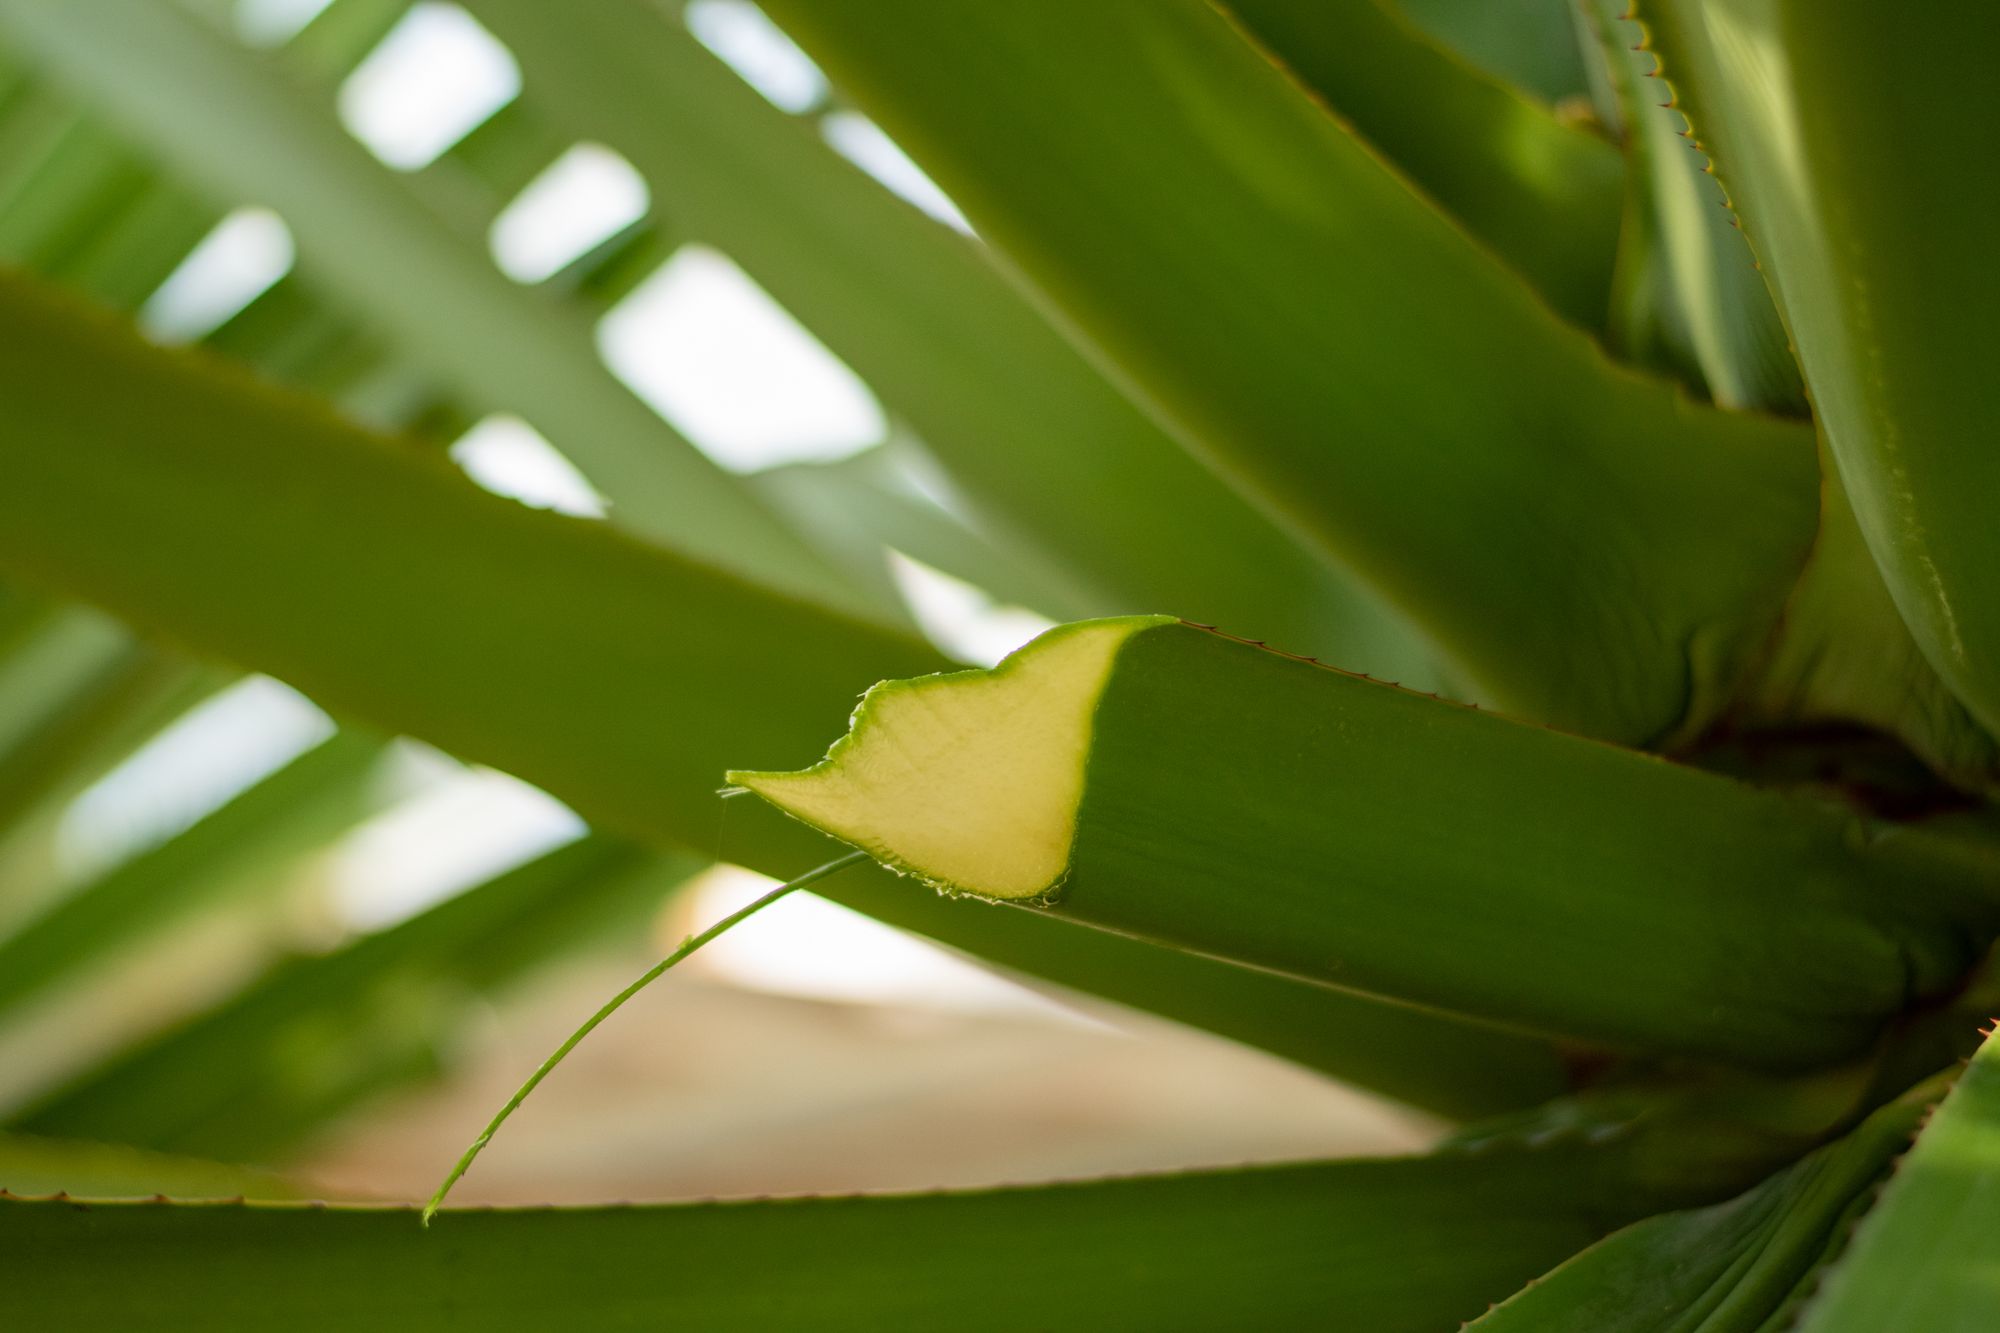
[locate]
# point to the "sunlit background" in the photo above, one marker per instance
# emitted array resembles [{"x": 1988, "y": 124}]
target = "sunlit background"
[{"x": 813, "y": 1049}]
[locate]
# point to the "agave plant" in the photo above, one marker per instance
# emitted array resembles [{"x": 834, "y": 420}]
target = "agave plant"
[{"x": 1517, "y": 485}]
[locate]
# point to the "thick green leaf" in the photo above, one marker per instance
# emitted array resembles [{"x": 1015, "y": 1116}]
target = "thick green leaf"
[
  {"x": 226, "y": 119},
  {"x": 506, "y": 151},
  {"x": 279, "y": 1059},
  {"x": 121, "y": 252},
  {"x": 32, "y": 1166},
  {"x": 1542, "y": 192},
  {"x": 336, "y": 38},
  {"x": 1529, "y": 43},
  {"x": 1843, "y": 655},
  {"x": 53, "y": 656},
  {"x": 133, "y": 252},
  {"x": 289, "y": 335},
  {"x": 288, "y": 813},
  {"x": 1587, "y": 546},
  {"x": 1457, "y": 1069},
  {"x": 1165, "y": 782},
  {"x": 622, "y": 678},
  {"x": 380, "y": 581},
  {"x": 1384, "y": 1246},
  {"x": 1734, "y": 1267},
  {"x": 870, "y": 497},
  {"x": 70, "y": 698},
  {"x": 80, "y": 179},
  {"x": 1923, "y": 1257},
  {"x": 1691, "y": 294},
  {"x": 22, "y": 615},
  {"x": 1034, "y": 434},
  {"x": 1843, "y": 132}
]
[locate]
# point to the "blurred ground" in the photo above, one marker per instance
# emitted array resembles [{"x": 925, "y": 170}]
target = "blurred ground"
[{"x": 704, "y": 1089}]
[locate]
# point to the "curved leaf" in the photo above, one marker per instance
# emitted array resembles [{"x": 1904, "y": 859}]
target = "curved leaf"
[
  {"x": 1587, "y": 547},
  {"x": 1843, "y": 133},
  {"x": 1923, "y": 1257},
  {"x": 295, "y": 809},
  {"x": 621, "y": 677},
  {"x": 1543, "y": 193},
  {"x": 278, "y": 1059},
  {"x": 1689, "y": 282},
  {"x": 1532, "y": 44},
  {"x": 1386, "y": 1246},
  {"x": 224, "y": 118},
  {"x": 38, "y": 1166},
  {"x": 1032, "y": 432},
  {"x": 1162, "y": 781},
  {"x": 1734, "y": 1267}
]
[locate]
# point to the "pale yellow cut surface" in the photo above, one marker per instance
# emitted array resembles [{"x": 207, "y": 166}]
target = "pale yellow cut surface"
[{"x": 969, "y": 781}]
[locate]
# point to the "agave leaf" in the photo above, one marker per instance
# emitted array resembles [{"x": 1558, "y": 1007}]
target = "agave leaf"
[
  {"x": 22, "y": 614},
  {"x": 131, "y": 254},
  {"x": 870, "y": 497},
  {"x": 1030, "y": 431},
  {"x": 1166, "y": 782},
  {"x": 1689, "y": 282},
  {"x": 121, "y": 251},
  {"x": 292, "y": 336},
  {"x": 318, "y": 1034},
  {"x": 70, "y": 697},
  {"x": 1586, "y": 546},
  {"x": 336, "y": 38},
  {"x": 620, "y": 677},
  {"x": 53, "y": 656},
  {"x": 38, "y": 1166},
  {"x": 506, "y": 151},
  {"x": 419, "y": 609},
  {"x": 1733, "y": 1267},
  {"x": 1416, "y": 1244},
  {"x": 227, "y": 120},
  {"x": 81, "y": 177},
  {"x": 1844, "y": 655},
  {"x": 1542, "y": 192},
  {"x": 1531, "y": 44},
  {"x": 1841, "y": 132},
  {"x": 1921, "y": 1258},
  {"x": 291, "y": 811}
]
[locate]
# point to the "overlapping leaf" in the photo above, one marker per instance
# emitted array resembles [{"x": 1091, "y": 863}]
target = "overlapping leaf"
[
  {"x": 622, "y": 678},
  {"x": 1387, "y": 1246},
  {"x": 1842, "y": 133},
  {"x": 1588, "y": 547}
]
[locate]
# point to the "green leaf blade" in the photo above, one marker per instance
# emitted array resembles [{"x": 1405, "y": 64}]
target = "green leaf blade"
[
  {"x": 1739, "y": 1266},
  {"x": 1542, "y": 193},
  {"x": 252, "y": 1077},
  {"x": 1323, "y": 334},
  {"x": 1922, "y": 1257},
  {"x": 1168, "y": 783},
  {"x": 297, "y": 808},
  {"x": 620, "y": 677},
  {"x": 1035, "y": 436},
  {"x": 1388, "y": 1246},
  {"x": 1693, "y": 297},
  {"x": 228, "y": 122},
  {"x": 31, "y": 1166},
  {"x": 1842, "y": 134}
]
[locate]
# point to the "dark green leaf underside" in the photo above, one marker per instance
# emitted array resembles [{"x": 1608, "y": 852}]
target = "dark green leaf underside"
[{"x": 1384, "y": 1246}]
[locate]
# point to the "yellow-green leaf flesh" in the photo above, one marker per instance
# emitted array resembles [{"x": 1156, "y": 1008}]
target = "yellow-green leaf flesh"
[
  {"x": 251, "y": 525},
  {"x": 1264, "y": 809}
]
